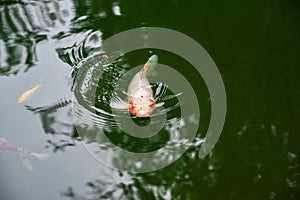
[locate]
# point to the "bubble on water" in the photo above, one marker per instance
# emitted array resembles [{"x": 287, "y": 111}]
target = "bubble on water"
[
  {"x": 116, "y": 9},
  {"x": 291, "y": 156},
  {"x": 272, "y": 195},
  {"x": 273, "y": 129},
  {"x": 138, "y": 164}
]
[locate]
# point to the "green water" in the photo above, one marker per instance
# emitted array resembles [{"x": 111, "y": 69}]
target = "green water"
[{"x": 255, "y": 45}]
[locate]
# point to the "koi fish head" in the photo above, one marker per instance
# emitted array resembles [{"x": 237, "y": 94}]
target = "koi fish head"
[{"x": 141, "y": 107}]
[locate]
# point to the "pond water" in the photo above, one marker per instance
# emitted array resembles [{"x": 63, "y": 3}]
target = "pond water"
[{"x": 59, "y": 45}]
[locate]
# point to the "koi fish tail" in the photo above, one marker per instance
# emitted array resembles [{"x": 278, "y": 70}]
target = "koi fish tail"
[
  {"x": 150, "y": 65},
  {"x": 26, "y": 162},
  {"x": 40, "y": 156},
  {"x": 41, "y": 82},
  {"x": 25, "y": 156}
]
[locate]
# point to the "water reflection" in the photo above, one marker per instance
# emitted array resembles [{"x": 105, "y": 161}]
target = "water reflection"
[
  {"x": 255, "y": 162},
  {"x": 23, "y": 25},
  {"x": 250, "y": 159},
  {"x": 93, "y": 88},
  {"x": 57, "y": 120},
  {"x": 200, "y": 178}
]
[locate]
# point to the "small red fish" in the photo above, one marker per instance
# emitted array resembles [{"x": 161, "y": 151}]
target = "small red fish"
[{"x": 140, "y": 95}]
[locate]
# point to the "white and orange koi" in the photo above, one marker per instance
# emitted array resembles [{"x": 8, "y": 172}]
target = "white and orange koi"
[
  {"x": 140, "y": 95},
  {"x": 29, "y": 92},
  {"x": 5, "y": 146}
]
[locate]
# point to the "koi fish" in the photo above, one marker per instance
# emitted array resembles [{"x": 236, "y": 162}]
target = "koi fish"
[
  {"x": 29, "y": 92},
  {"x": 5, "y": 146},
  {"x": 140, "y": 95}
]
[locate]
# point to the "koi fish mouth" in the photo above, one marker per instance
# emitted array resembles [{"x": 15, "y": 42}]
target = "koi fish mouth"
[{"x": 141, "y": 110}]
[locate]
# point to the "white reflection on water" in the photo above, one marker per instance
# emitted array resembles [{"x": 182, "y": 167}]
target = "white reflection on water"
[{"x": 24, "y": 25}]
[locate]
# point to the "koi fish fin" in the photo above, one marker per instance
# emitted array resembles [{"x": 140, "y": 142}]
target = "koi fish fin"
[
  {"x": 152, "y": 61},
  {"x": 171, "y": 96},
  {"x": 119, "y": 104},
  {"x": 25, "y": 156},
  {"x": 125, "y": 93},
  {"x": 40, "y": 156},
  {"x": 27, "y": 163},
  {"x": 159, "y": 104},
  {"x": 41, "y": 82},
  {"x": 149, "y": 67}
]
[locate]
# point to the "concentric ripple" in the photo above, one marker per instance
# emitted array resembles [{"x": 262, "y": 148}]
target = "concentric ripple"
[
  {"x": 97, "y": 82},
  {"x": 125, "y": 142}
]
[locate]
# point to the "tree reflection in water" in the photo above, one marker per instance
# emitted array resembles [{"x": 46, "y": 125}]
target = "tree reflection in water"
[
  {"x": 191, "y": 178},
  {"x": 252, "y": 163},
  {"x": 23, "y": 25},
  {"x": 57, "y": 120}
]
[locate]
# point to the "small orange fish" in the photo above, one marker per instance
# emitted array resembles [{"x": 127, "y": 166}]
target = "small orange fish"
[
  {"x": 140, "y": 95},
  {"x": 29, "y": 92}
]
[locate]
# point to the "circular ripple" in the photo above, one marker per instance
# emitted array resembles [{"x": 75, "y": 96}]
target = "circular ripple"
[{"x": 93, "y": 124}]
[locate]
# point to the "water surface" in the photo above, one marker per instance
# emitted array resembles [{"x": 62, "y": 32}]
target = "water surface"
[{"x": 255, "y": 46}]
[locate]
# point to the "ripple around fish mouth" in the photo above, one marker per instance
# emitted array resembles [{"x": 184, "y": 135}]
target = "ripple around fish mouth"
[
  {"x": 115, "y": 133},
  {"x": 101, "y": 76},
  {"x": 93, "y": 90}
]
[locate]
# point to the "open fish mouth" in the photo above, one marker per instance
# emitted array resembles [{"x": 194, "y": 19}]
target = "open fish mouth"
[{"x": 141, "y": 111}]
